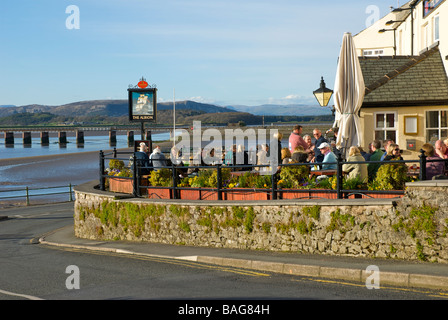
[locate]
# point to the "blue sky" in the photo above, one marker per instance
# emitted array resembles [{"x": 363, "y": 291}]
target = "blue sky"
[{"x": 225, "y": 52}]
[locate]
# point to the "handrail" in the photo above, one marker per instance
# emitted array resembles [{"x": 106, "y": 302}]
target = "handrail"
[
  {"x": 27, "y": 194},
  {"x": 274, "y": 186}
]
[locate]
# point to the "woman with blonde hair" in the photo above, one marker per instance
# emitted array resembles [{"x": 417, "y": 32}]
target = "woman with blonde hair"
[
  {"x": 286, "y": 155},
  {"x": 354, "y": 170},
  {"x": 393, "y": 152}
]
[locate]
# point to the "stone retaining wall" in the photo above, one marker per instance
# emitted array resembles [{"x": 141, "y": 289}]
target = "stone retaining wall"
[{"x": 411, "y": 228}]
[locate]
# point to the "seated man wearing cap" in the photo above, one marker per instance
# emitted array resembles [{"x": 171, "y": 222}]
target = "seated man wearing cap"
[
  {"x": 142, "y": 159},
  {"x": 329, "y": 162}
]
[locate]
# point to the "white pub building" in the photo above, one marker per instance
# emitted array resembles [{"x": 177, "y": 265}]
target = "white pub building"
[{"x": 404, "y": 59}]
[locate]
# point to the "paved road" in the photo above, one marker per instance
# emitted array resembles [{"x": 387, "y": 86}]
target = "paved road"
[{"x": 32, "y": 270}]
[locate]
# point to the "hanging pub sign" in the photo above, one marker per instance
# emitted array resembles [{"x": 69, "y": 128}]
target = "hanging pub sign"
[
  {"x": 142, "y": 102},
  {"x": 429, "y": 6}
]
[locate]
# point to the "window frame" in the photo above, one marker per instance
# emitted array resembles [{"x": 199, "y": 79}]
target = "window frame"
[
  {"x": 385, "y": 129},
  {"x": 439, "y": 124}
]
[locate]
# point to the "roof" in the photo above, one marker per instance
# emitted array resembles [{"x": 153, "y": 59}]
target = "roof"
[{"x": 405, "y": 80}]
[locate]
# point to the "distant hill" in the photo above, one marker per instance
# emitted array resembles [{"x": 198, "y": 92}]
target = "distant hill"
[
  {"x": 110, "y": 108},
  {"x": 116, "y": 112},
  {"x": 282, "y": 110}
]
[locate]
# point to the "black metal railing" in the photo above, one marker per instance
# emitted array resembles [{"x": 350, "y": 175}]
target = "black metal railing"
[
  {"x": 27, "y": 193},
  {"x": 274, "y": 188}
]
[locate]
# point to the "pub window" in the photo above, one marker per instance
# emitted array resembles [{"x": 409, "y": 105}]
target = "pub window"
[
  {"x": 436, "y": 125},
  {"x": 373, "y": 53},
  {"x": 385, "y": 126},
  {"x": 436, "y": 28}
]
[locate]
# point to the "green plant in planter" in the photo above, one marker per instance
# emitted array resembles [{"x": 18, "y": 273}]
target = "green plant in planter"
[
  {"x": 293, "y": 176},
  {"x": 202, "y": 179},
  {"x": 353, "y": 184},
  {"x": 118, "y": 169},
  {"x": 161, "y": 178},
  {"x": 250, "y": 180},
  {"x": 390, "y": 176},
  {"x": 213, "y": 177}
]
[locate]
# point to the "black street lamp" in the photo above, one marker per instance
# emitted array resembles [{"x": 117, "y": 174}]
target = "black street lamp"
[{"x": 323, "y": 94}]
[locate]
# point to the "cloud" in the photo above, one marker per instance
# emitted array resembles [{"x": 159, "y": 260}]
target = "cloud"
[
  {"x": 202, "y": 100},
  {"x": 292, "y": 99}
]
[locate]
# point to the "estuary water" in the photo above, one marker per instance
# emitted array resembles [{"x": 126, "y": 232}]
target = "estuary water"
[{"x": 91, "y": 143}]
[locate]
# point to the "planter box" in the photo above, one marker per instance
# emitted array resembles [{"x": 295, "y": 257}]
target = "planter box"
[
  {"x": 121, "y": 185},
  {"x": 370, "y": 195},
  {"x": 249, "y": 194},
  {"x": 159, "y": 193},
  {"x": 296, "y": 194},
  {"x": 210, "y": 195},
  {"x": 306, "y": 194},
  {"x": 186, "y": 194}
]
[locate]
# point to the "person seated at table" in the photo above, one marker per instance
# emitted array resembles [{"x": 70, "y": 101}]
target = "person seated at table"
[
  {"x": 142, "y": 159},
  {"x": 262, "y": 158},
  {"x": 372, "y": 168},
  {"x": 329, "y": 162},
  {"x": 241, "y": 157},
  {"x": 366, "y": 155},
  {"x": 386, "y": 148},
  {"x": 393, "y": 152},
  {"x": 230, "y": 156},
  {"x": 209, "y": 158},
  {"x": 433, "y": 168},
  {"x": 286, "y": 155},
  {"x": 354, "y": 170},
  {"x": 157, "y": 159},
  {"x": 299, "y": 155},
  {"x": 441, "y": 149},
  {"x": 311, "y": 147}
]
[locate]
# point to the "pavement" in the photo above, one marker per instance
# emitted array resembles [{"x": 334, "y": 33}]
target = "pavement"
[{"x": 398, "y": 273}]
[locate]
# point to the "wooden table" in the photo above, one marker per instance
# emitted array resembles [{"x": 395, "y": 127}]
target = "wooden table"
[{"x": 316, "y": 173}]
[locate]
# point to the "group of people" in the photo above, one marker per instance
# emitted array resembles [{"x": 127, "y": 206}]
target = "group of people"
[
  {"x": 393, "y": 152},
  {"x": 303, "y": 150},
  {"x": 155, "y": 161},
  {"x": 322, "y": 152}
]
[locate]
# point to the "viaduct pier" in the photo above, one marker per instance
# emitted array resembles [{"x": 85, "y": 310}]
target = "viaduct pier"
[{"x": 10, "y": 133}]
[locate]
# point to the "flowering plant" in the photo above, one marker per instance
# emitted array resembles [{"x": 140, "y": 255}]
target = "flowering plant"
[{"x": 118, "y": 169}]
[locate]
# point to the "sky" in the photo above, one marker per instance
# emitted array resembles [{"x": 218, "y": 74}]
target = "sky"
[{"x": 224, "y": 52}]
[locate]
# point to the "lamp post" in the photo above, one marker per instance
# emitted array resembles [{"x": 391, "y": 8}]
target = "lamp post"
[{"x": 323, "y": 95}]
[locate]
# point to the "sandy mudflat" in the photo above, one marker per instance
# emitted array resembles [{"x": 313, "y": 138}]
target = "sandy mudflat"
[
  {"x": 55, "y": 170},
  {"x": 52, "y": 171},
  {"x": 48, "y": 171}
]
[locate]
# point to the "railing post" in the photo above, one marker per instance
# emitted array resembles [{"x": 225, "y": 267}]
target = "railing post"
[
  {"x": 70, "y": 197},
  {"x": 115, "y": 153},
  {"x": 422, "y": 165},
  {"x": 173, "y": 168},
  {"x": 135, "y": 176},
  {"x": 339, "y": 176},
  {"x": 273, "y": 185},
  {"x": 219, "y": 181},
  {"x": 102, "y": 179},
  {"x": 27, "y": 196}
]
